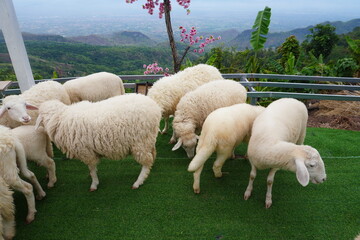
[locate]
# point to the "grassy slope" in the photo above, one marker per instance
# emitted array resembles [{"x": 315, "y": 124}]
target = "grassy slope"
[{"x": 165, "y": 207}]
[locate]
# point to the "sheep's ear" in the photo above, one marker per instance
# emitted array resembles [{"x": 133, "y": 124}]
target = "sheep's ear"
[
  {"x": 177, "y": 145},
  {"x": 2, "y": 111},
  {"x": 302, "y": 173},
  {"x": 30, "y": 106},
  {"x": 38, "y": 122}
]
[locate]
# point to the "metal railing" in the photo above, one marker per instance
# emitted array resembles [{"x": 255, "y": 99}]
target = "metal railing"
[{"x": 263, "y": 81}]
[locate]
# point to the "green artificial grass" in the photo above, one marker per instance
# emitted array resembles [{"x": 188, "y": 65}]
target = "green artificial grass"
[{"x": 165, "y": 207}]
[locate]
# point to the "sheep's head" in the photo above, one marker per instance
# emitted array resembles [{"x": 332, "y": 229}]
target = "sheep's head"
[
  {"x": 16, "y": 108},
  {"x": 309, "y": 166},
  {"x": 188, "y": 142}
]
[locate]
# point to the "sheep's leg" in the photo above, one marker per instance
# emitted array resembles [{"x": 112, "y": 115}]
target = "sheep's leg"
[
  {"x": 51, "y": 170},
  {"x": 196, "y": 185},
  {"x": 249, "y": 188},
  {"x": 222, "y": 155},
  {"x": 270, "y": 182},
  {"x": 173, "y": 138},
  {"x": 166, "y": 126},
  {"x": 7, "y": 217},
  {"x": 94, "y": 177},
  {"x": 27, "y": 190},
  {"x": 146, "y": 159},
  {"x": 32, "y": 178},
  {"x": 9, "y": 225},
  {"x": 145, "y": 170},
  {"x": 22, "y": 164}
]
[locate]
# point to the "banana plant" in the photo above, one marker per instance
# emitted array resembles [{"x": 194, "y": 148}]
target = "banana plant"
[
  {"x": 261, "y": 29},
  {"x": 258, "y": 37}
]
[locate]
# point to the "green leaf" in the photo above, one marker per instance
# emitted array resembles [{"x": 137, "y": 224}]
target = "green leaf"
[
  {"x": 261, "y": 29},
  {"x": 353, "y": 45}
]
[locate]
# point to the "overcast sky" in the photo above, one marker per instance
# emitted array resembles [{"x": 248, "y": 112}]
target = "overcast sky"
[{"x": 346, "y": 8}]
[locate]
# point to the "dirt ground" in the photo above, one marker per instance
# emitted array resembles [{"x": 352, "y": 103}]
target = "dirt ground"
[{"x": 335, "y": 114}]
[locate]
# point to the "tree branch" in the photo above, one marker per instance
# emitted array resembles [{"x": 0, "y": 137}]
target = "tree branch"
[
  {"x": 184, "y": 54},
  {"x": 171, "y": 35}
]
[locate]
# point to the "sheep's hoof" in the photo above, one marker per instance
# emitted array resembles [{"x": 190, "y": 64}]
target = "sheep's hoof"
[
  {"x": 268, "y": 204},
  {"x": 50, "y": 185},
  {"x": 197, "y": 191},
  {"x": 172, "y": 141},
  {"x": 40, "y": 196},
  {"x": 92, "y": 189},
  {"x": 134, "y": 187},
  {"x": 29, "y": 219},
  {"x": 247, "y": 195}
]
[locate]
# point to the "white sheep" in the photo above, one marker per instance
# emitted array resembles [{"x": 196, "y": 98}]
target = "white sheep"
[
  {"x": 196, "y": 105},
  {"x": 94, "y": 87},
  {"x": 223, "y": 130},
  {"x": 12, "y": 156},
  {"x": 276, "y": 143},
  {"x": 168, "y": 91},
  {"x": 7, "y": 210},
  {"x": 38, "y": 148},
  {"x": 13, "y": 111},
  {"x": 112, "y": 128}
]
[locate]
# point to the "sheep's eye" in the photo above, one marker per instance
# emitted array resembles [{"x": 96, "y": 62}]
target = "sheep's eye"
[
  {"x": 8, "y": 108},
  {"x": 312, "y": 165}
]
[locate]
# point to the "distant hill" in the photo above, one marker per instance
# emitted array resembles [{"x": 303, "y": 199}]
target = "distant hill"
[
  {"x": 229, "y": 38},
  {"x": 39, "y": 37},
  {"x": 242, "y": 40},
  {"x": 124, "y": 38}
]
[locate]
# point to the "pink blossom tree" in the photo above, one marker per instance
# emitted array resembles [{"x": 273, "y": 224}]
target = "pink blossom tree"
[{"x": 186, "y": 37}]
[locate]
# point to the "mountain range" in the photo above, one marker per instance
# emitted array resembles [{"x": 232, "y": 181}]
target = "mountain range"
[{"x": 229, "y": 38}]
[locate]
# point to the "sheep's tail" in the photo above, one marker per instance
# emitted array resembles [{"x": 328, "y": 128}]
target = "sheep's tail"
[
  {"x": 200, "y": 158},
  {"x": 49, "y": 147}
]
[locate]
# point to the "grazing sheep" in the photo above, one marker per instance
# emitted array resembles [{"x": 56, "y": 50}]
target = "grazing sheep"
[
  {"x": 223, "y": 130},
  {"x": 94, "y": 87},
  {"x": 112, "y": 128},
  {"x": 168, "y": 91},
  {"x": 7, "y": 210},
  {"x": 38, "y": 148},
  {"x": 276, "y": 143},
  {"x": 12, "y": 156},
  {"x": 196, "y": 105},
  {"x": 13, "y": 112}
]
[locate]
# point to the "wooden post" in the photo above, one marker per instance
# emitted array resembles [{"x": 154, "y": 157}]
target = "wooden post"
[{"x": 15, "y": 45}]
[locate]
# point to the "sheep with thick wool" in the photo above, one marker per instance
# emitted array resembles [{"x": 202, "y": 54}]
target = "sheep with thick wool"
[
  {"x": 276, "y": 143},
  {"x": 12, "y": 156},
  {"x": 13, "y": 112},
  {"x": 7, "y": 211},
  {"x": 196, "y": 105},
  {"x": 112, "y": 128},
  {"x": 38, "y": 148},
  {"x": 168, "y": 90},
  {"x": 223, "y": 130},
  {"x": 94, "y": 87}
]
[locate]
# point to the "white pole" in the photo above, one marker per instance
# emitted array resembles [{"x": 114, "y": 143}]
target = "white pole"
[{"x": 15, "y": 45}]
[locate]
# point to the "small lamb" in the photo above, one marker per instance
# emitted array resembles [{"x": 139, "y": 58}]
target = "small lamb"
[
  {"x": 13, "y": 112},
  {"x": 12, "y": 156},
  {"x": 7, "y": 211},
  {"x": 196, "y": 105},
  {"x": 168, "y": 91},
  {"x": 94, "y": 87},
  {"x": 276, "y": 143},
  {"x": 223, "y": 130},
  {"x": 112, "y": 128},
  {"x": 38, "y": 148}
]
